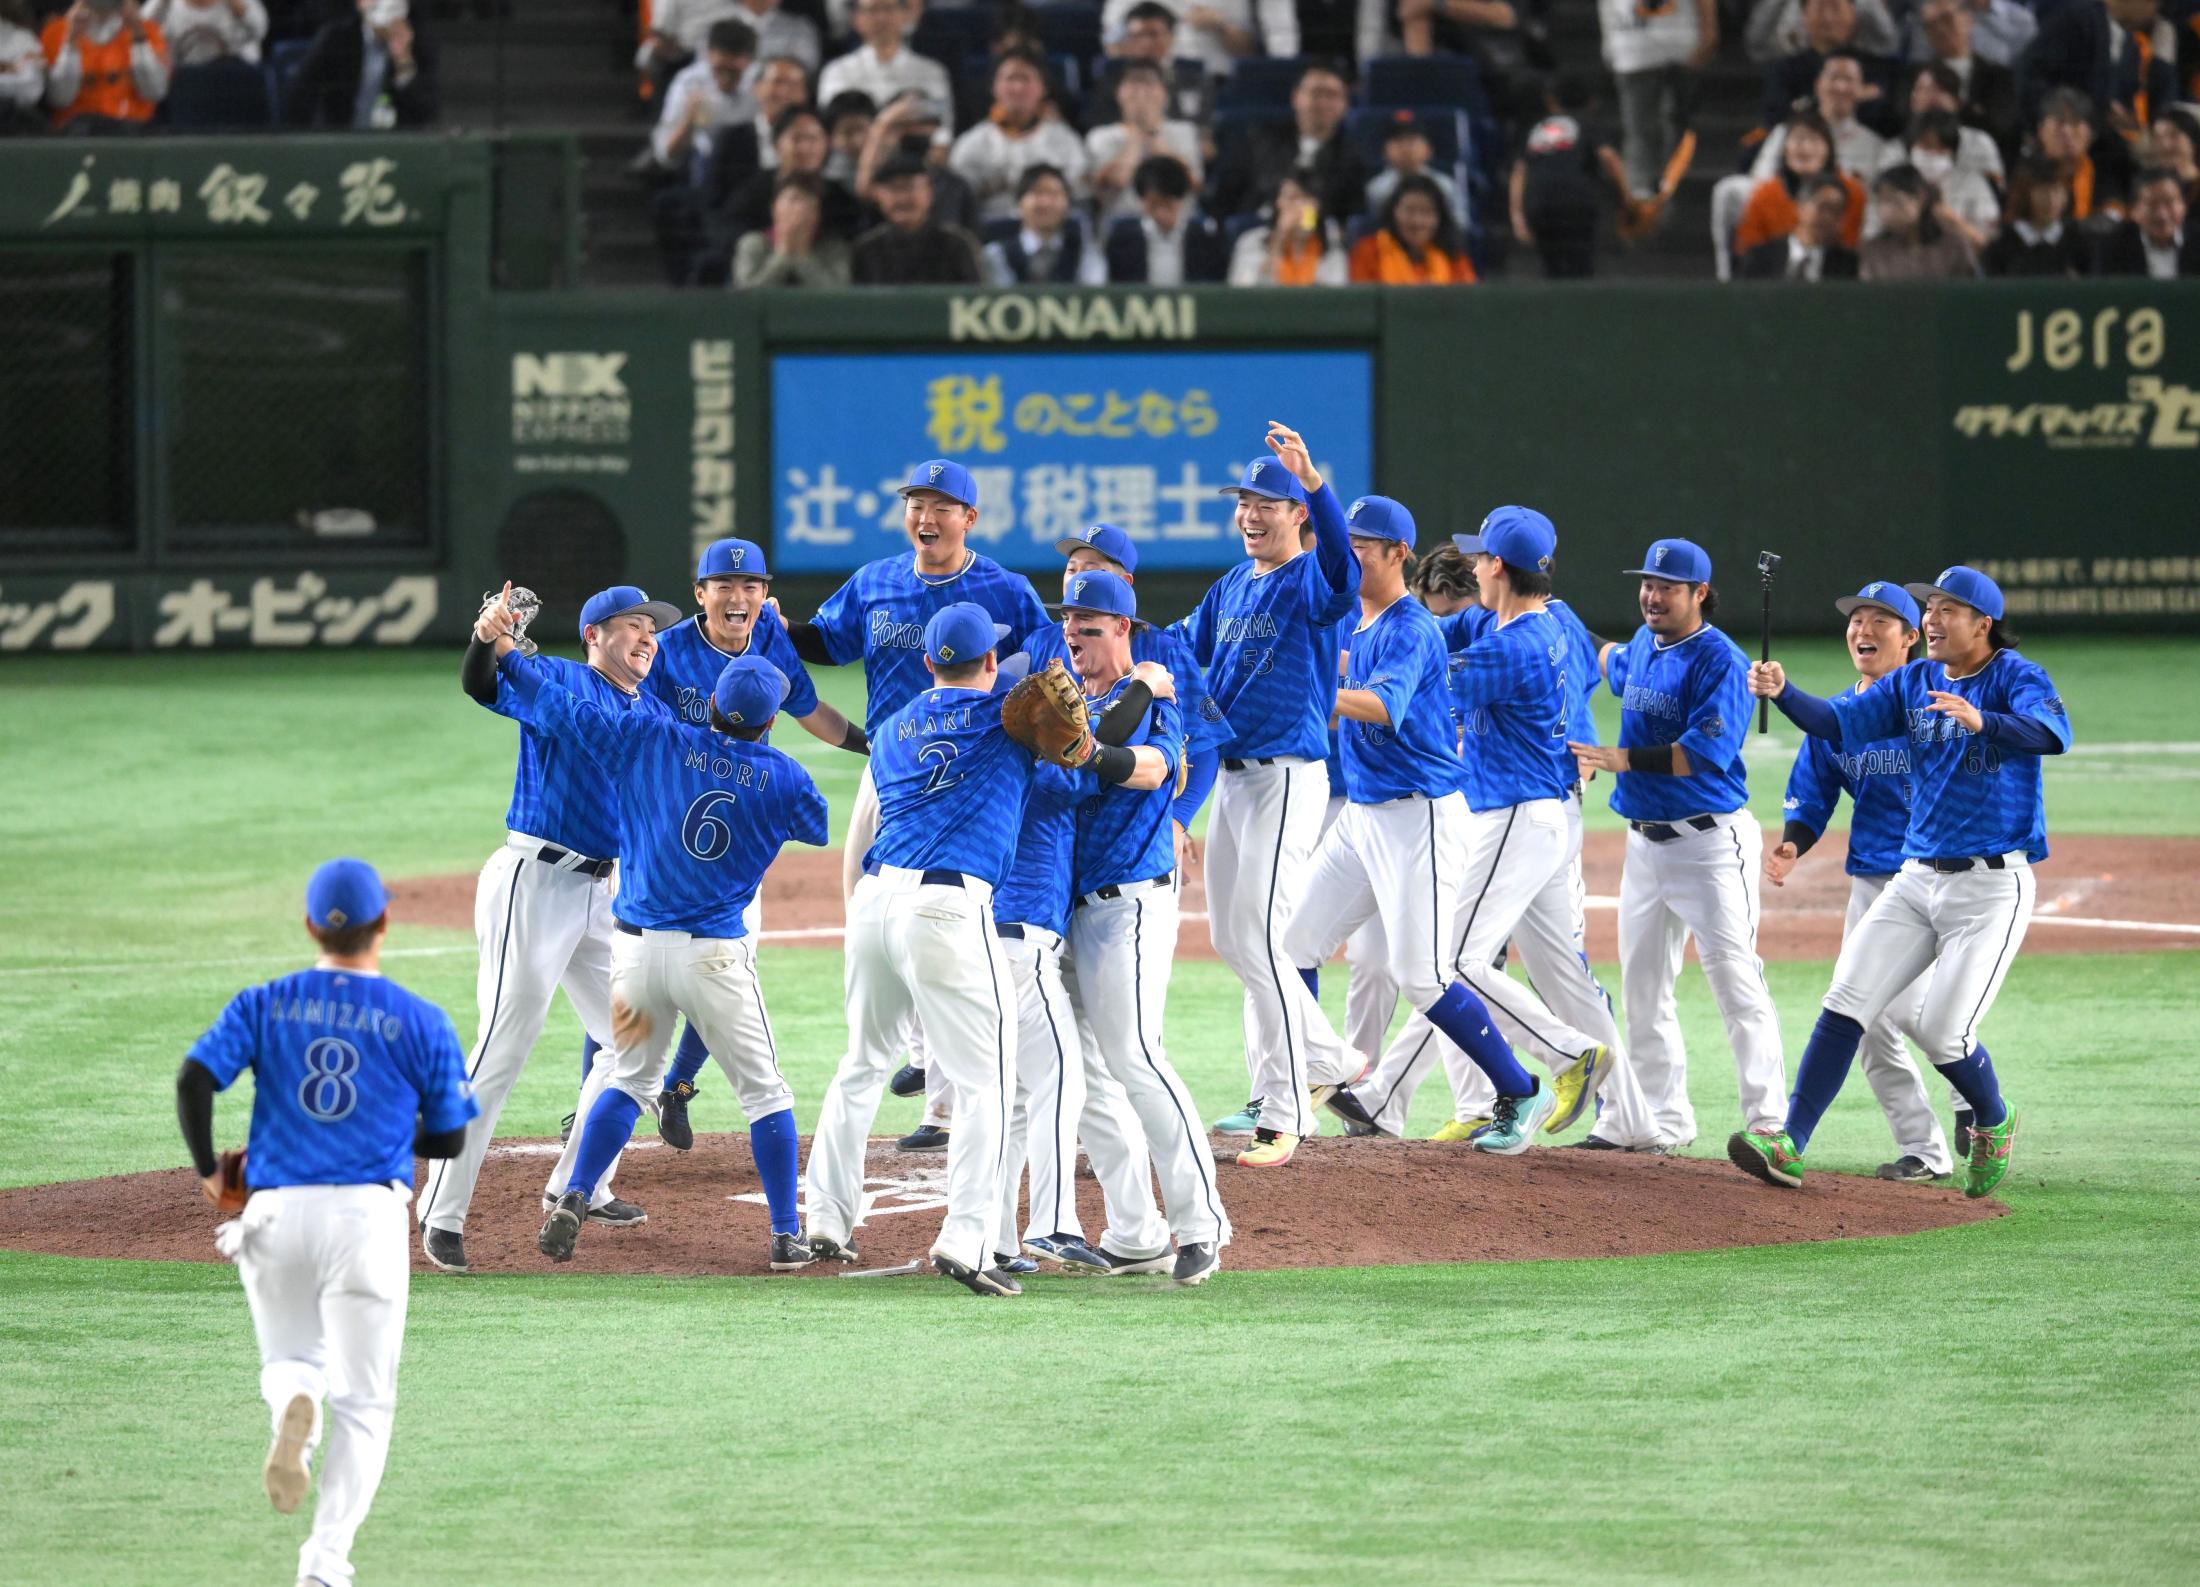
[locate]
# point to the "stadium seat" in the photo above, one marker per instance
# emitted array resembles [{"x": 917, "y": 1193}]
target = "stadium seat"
[
  {"x": 948, "y": 36},
  {"x": 1394, "y": 80},
  {"x": 1257, "y": 81},
  {"x": 1446, "y": 126},
  {"x": 1070, "y": 27},
  {"x": 228, "y": 95}
]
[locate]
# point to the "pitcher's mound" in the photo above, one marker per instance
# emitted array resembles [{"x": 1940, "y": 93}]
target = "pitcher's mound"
[{"x": 1340, "y": 1203}]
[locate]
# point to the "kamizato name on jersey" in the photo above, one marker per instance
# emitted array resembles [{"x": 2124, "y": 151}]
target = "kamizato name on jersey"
[{"x": 335, "y": 1015}]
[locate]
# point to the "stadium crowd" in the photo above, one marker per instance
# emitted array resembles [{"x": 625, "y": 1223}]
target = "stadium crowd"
[{"x": 1268, "y": 142}]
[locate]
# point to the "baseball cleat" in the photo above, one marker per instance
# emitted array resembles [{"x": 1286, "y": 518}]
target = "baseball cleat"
[
  {"x": 1270, "y": 1149},
  {"x": 1768, "y": 1155},
  {"x": 1121, "y": 1265},
  {"x": 1513, "y": 1123},
  {"x": 827, "y": 1249},
  {"x": 1461, "y": 1129},
  {"x": 445, "y": 1248},
  {"x": 790, "y": 1252},
  {"x": 565, "y": 1128},
  {"x": 1959, "y": 1139},
  {"x": 1339, "y": 1099},
  {"x": 1595, "y": 1143},
  {"x": 1909, "y": 1169},
  {"x": 1574, "y": 1090},
  {"x": 1014, "y": 1263},
  {"x": 563, "y": 1227},
  {"x": 613, "y": 1214},
  {"x": 1243, "y": 1122},
  {"x": 979, "y": 1281},
  {"x": 1073, "y": 1253},
  {"x": 1989, "y": 1159},
  {"x": 288, "y": 1474},
  {"x": 908, "y": 1081},
  {"x": 1196, "y": 1263},
  {"x": 924, "y": 1138},
  {"x": 673, "y": 1127}
]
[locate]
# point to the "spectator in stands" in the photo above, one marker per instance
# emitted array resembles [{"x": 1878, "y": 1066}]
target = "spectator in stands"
[
  {"x": 1167, "y": 243},
  {"x": 799, "y": 249},
  {"x": 1262, "y": 155},
  {"x": 799, "y": 148},
  {"x": 1416, "y": 245},
  {"x": 1936, "y": 87},
  {"x": 2095, "y": 169},
  {"x": 369, "y": 73},
  {"x": 741, "y": 149},
  {"x": 1296, "y": 245},
  {"x": 915, "y": 126},
  {"x": 2113, "y": 53},
  {"x": 1814, "y": 250},
  {"x": 1985, "y": 91},
  {"x": 1775, "y": 205},
  {"x": 1496, "y": 33},
  {"x": 210, "y": 30},
  {"x": 1655, "y": 50},
  {"x": 2173, "y": 143},
  {"x": 704, "y": 97},
  {"x": 106, "y": 66},
  {"x": 678, "y": 30},
  {"x": 1559, "y": 182},
  {"x": 1149, "y": 34},
  {"x": 848, "y": 118},
  {"x": 1830, "y": 27},
  {"x": 1916, "y": 242},
  {"x": 1045, "y": 244},
  {"x": 1780, "y": 28},
  {"x": 1216, "y": 33},
  {"x": 780, "y": 32},
  {"x": 2038, "y": 240},
  {"x": 1346, "y": 31},
  {"x": 910, "y": 247},
  {"x": 1117, "y": 150},
  {"x": 1840, "y": 89},
  {"x": 1997, "y": 31},
  {"x": 1407, "y": 152},
  {"x": 2155, "y": 242},
  {"x": 1022, "y": 129},
  {"x": 1968, "y": 203},
  {"x": 885, "y": 66},
  {"x": 22, "y": 71}
]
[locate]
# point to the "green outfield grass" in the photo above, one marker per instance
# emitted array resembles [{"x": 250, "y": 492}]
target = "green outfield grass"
[{"x": 2010, "y": 1401}]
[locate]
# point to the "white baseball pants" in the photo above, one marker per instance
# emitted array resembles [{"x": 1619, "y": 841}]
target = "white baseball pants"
[
  {"x": 1886, "y": 1062},
  {"x": 1115, "y": 1144},
  {"x": 1370, "y": 993},
  {"x": 1965, "y": 927},
  {"x": 1703, "y": 884},
  {"x": 540, "y": 926},
  {"x": 1123, "y": 947},
  {"x": 928, "y": 949},
  {"x": 327, "y": 1271}
]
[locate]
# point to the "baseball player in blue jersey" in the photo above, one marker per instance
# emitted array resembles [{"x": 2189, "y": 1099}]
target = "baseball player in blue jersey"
[
  {"x": 352, "y": 1076},
  {"x": 1123, "y": 923},
  {"x": 705, "y": 812},
  {"x": 1977, "y": 717},
  {"x": 1371, "y": 992},
  {"x": 1882, "y": 632},
  {"x": 1693, "y": 864},
  {"x": 732, "y": 590},
  {"x": 542, "y": 909},
  {"x": 1260, "y": 635},
  {"x": 1501, "y": 850}
]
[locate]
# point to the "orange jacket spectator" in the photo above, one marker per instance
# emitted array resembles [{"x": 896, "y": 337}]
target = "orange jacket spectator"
[
  {"x": 1771, "y": 214},
  {"x": 1416, "y": 245},
  {"x": 104, "y": 61}
]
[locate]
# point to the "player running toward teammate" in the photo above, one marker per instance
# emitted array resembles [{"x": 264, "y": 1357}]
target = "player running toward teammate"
[
  {"x": 542, "y": 909},
  {"x": 1502, "y": 846},
  {"x": 352, "y": 1076},
  {"x": 1692, "y": 866},
  {"x": 705, "y": 811},
  {"x": 1882, "y": 632},
  {"x": 1977, "y": 716},
  {"x": 1261, "y": 634}
]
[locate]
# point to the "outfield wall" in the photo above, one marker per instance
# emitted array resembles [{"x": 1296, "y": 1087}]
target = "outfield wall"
[{"x": 264, "y": 393}]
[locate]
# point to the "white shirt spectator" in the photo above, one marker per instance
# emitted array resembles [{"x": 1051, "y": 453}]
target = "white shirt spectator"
[
  {"x": 862, "y": 71},
  {"x": 1775, "y": 29},
  {"x": 2162, "y": 257},
  {"x": 1165, "y": 249},
  {"x": 1998, "y": 34},
  {"x": 1965, "y": 184},
  {"x": 687, "y": 24},
  {"x": 1092, "y": 264},
  {"x": 692, "y": 86},
  {"x": 1104, "y": 144},
  {"x": 780, "y": 32},
  {"x": 1640, "y": 41},
  {"x": 1263, "y": 20},
  {"x": 1856, "y": 149},
  {"x": 22, "y": 68},
  {"x": 992, "y": 160},
  {"x": 1805, "y": 263},
  {"x": 1280, "y": 32},
  {"x": 207, "y": 30},
  {"x": 65, "y": 77},
  {"x": 1383, "y": 182},
  {"x": 1249, "y": 259}
]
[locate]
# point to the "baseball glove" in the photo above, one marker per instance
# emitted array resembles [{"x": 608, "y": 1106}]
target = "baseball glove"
[
  {"x": 229, "y": 1167},
  {"x": 1046, "y": 714}
]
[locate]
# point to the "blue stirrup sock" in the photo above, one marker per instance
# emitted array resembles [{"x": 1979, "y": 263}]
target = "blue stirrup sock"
[
  {"x": 589, "y": 1049},
  {"x": 1825, "y": 1065},
  {"x": 1974, "y": 1077},
  {"x": 1313, "y": 980},
  {"x": 1463, "y": 1017},
  {"x": 610, "y": 1125},
  {"x": 772, "y": 1143},
  {"x": 688, "y": 1062}
]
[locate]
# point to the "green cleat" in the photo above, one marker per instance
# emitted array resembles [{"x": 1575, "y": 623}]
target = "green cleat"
[
  {"x": 1767, "y": 1155},
  {"x": 1989, "y": 1158},
  {"x": 1243, "y": 1122},
  {"x": 1513, "y": 1123}
]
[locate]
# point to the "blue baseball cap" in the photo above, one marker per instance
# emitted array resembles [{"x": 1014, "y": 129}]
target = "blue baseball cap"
[
  {"x": 1380, "y": 518},
  {"x": 1097, "y": 590},
  {"x": 623, "y": 599},
  {"x": 1678, "y": 561},
  {"x": 1887, "y": 597},
  {"x": 728, "y": 559},
  {"x": 951, "y": 480},
  {"x": 1106, "y": 539},
  {"x": 749, "y": 691},
  {"x": 345, "y": 893},
  {"x": 960, "y": 634},
  {"x": 1968, "y": 585},
  {"x": 1519, "y": 537},
  {"x": 1265, "y": 476}
]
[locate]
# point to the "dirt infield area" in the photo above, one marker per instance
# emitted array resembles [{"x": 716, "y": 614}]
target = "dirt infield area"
[
  {"x": 2087, "y": 879},
  {"x": 1342, "y": 1203}
]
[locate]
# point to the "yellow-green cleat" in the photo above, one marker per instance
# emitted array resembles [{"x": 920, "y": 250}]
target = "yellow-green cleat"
[
  {"x": 1460, "y": 1129},
  {"x": 1989, "y": 1159},
  {"x": 1574, "y": 1090},
  {"x": 1767, "y": 1155}
]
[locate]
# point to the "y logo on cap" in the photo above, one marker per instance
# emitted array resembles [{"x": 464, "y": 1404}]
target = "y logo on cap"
[
  {"x": 738, "y": 555},
  {"x": 1946, "y": 574},
  {"x": 1356, "y": 506},
  {"x": 1657, "y": 557},
  {"x": 937, "y": 470},
  {"x": 1874, "y": 587},
  {"x": 1077, "y": 590}
]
